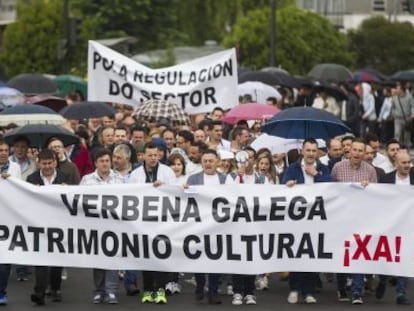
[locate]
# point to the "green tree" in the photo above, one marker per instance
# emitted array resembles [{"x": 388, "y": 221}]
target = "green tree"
[
  {"x": 152, "y": 22},
  {"x": 303, "y": 39},
  {"x": 383, "y": 45},
  {"x": 31, "y": 43}
]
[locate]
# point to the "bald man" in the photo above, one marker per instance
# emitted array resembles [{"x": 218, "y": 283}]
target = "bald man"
[{"x": 403, "y": 175}]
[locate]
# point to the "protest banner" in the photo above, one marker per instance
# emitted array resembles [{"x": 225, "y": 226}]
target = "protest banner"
[
  {"x": 249, "y": 229},
  {"x": 197, "y": 86}
]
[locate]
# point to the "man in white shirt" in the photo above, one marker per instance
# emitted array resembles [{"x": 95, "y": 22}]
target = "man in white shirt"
[
  {"x": 7, "y": 169},
  {"x": 208, "y": 177},
  {"x": 19, "y": 156},
  {"x": 106, "y": 281},
  {"x": 334, "y": 147},
  {"x": 215, "y": 140},
  {"x": 392, "y": 148},
  {"x": 373, "y": 140},
  {"x": 155, "y": 173}
]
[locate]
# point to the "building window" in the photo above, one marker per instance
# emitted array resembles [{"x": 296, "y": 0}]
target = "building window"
[
  {"x": 308, "y": 4},
  {"x": 379, "y": 5}
]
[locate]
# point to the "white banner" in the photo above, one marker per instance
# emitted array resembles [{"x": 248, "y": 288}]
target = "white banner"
[
  {"x": 197, "y": 86},
  {"x": 247, "y": 229}
]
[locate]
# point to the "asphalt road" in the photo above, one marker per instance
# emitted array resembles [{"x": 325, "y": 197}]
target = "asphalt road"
[{"x": 77, "y": 294}]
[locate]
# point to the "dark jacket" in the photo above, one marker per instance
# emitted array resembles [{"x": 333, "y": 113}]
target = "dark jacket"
[
  {"x": 390, "y": 178},
  {"x": 198, "y": 178},
  {"x": 294, "y": 172},
  {"x": 61, "y": 178}
]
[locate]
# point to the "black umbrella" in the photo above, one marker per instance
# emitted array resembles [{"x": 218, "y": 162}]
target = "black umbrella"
[
  {"x": 330, "y": 72},
  {"x": 33, "y": 84},
  {"x": 269, "y": 77},
  {"x": 30, "y": 114},
  {"x": 404, "y": 75},
  {"x": 86, "y": 110},
  {"x": 39, "y": 134}
]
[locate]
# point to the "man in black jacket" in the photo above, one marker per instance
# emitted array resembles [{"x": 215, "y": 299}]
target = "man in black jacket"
[
  {"x": 403, "y": 175},
  {"x": 44, "y": 276}
]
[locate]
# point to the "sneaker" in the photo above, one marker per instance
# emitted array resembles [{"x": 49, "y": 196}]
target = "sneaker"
[
  {"x": 380, "y": 290},
  {"x": 357, "y": 299},
  {"x": 250, "y": 299},
  {"x": 176, "y": 288},
  {"x": 262, "y": 283},
  {"x": 310, "y": 299},
  {"x": 169, "y": 288},
  {"x": 160, "y": 296},
  {"x": 3, "y": 299},
  {"x": 121, "y": 274},
  {"x": 343, "y": 295},
  {"x": 111, "y": 299},
  {"x": 229, "y": 290},
  {"x": 214, "y": 299},
  {"x": 293, "y": 297},
  {"x": 22, "y": 279},
  {"x": 56, "y": 296},
  {"x": 348, "y": 283},
  {"x": 402, "y": 300},
  {"x": 147, "y": 297},
  {"x": 64, "y": 275},
  {"x": 191, "y": 281},
  {"x": 132, "y": 290},
  {"x": 97, "y": 299},
  {"x": 237, "y": 300},
  {"x": 37, "y": 299},
  {"x": 199, "y": 295}
]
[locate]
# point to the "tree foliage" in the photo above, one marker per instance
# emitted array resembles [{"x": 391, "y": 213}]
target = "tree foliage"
[
  {"x": 303, "y": 39},
  {"x": 31, "y": 43},
  {"x": 383, "y": 45},
  {"x": 152, "y": 22}
]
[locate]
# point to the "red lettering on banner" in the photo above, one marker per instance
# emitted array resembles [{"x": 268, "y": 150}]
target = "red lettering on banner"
[
  {"x": 382, "y": 249},
  {"x": 361, "y": 247}
]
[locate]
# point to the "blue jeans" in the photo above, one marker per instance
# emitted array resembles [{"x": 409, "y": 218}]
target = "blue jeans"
[
  {"x": 4, "y": 277},
  {"x": 213, "y": 283},
  {"x": 357, "y": 284},
  {"x": 401, "y": 286},
  {"x": 130, "y": 278}
]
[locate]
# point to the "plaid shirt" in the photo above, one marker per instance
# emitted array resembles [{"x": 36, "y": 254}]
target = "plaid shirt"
[
  {"x": 95, "y": 179},
  {"x": 344, "y": 172}
]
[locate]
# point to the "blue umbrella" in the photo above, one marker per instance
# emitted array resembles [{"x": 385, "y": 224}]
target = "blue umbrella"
[{"x": 305, "y": 122}]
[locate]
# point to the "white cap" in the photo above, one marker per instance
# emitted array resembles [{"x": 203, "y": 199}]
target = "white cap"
[{"x": 225, "y": 154}]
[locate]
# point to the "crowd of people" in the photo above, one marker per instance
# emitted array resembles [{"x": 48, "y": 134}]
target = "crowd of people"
[{"x": 124, "y": 149}]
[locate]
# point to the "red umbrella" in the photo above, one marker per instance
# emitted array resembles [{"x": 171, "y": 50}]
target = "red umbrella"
[
  {"x": 52, "y": 102},
  {"x": 250, "y": 111}
]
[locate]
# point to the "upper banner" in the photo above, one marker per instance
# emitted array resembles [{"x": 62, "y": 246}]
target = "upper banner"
[
  {"x": 247, "y": 229},
  {"x": 197, "y": 86}
]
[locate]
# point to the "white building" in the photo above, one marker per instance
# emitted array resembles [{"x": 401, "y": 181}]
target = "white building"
[
  {"x": 349, "y": 14},
  {"x": 7, "y": 11}
]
